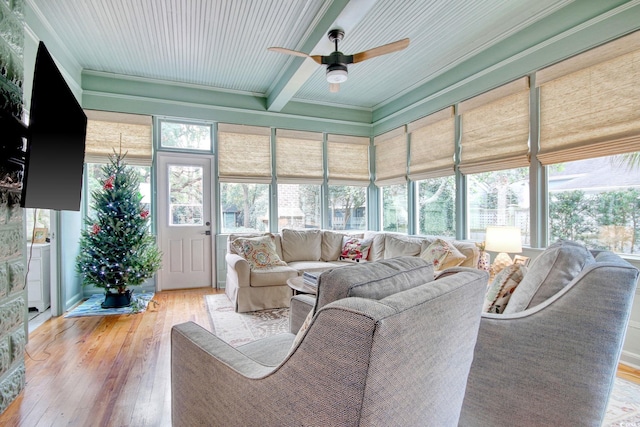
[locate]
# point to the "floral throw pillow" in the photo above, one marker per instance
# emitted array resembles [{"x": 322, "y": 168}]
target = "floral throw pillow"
[
  {"x": 260, "y": 252},
  {"x": 442, "y": 254},
  {"x": 355, "y": 249},
  {"x": 500, "y": 290}
]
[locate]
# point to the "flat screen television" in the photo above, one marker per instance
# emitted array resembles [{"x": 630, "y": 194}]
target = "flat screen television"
[{"x": 54, "y": 157}]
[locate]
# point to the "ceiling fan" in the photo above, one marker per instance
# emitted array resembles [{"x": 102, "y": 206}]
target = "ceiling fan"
[{"x": 337, "y": 62}]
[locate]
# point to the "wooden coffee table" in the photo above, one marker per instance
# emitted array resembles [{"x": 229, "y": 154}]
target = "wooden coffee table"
[{"x": 300, "y": 287}]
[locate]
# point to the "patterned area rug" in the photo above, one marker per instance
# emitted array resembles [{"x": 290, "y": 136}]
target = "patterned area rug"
[
  {"x": 91, "y": 307},
  {"x": 624, "y": 405},
  {"x": 241, "y": 328}
]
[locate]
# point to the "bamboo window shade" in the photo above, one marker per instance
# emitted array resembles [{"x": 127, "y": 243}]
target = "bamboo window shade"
[
  {"x": 299, "y": 157},
  {"x": 432, "y": 145},
  {"x": 391, "y": 157},
  {"x": 590, "y": 104},
  {"x": 495, "y": 129},
  {"x": 244, "y": 153},
  {"x": 127, "y": 133},
  {"x": 348, "y": 160}
]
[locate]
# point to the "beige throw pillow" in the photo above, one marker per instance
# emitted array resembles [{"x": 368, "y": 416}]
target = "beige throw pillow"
[
  {"x": 500, "y": 290},
  {"x": 260, "y": 252},
  {"x": 442, "y": 254}
]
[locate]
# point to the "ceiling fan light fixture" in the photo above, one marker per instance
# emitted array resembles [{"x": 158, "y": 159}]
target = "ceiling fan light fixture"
[{"x": 337, "y": 73}]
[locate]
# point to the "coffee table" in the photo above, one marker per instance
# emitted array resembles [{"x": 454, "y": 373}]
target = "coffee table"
[{"x": 300, "y": 287}]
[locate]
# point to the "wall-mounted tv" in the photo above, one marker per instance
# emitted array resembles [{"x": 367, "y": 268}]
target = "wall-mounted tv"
[{"x": 56, "y": 141}]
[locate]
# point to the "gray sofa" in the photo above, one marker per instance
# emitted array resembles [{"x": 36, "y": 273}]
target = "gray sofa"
[
  {"x": 551, "y": 359},
  {"x": 398, "y": 353},
  {"x": 313, "y": 250}
]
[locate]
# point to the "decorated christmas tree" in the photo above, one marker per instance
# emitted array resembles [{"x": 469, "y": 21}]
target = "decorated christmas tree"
[{"x": 117, "y": 249}]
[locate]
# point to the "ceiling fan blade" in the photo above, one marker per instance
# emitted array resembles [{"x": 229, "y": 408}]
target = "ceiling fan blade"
[
  {"x": 334, "y": 87},
  {"x": 316, "y": 58},
  {"x": 381, "y": 50}
]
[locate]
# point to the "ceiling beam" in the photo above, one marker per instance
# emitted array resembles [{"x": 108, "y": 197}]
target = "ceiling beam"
[{"x": 343, "y": 14}]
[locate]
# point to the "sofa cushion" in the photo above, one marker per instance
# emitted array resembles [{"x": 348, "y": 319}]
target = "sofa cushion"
[
  {"x": 374, "y": 280},
  {"x": 471, "y": 252},
  {"x": 313, "y": 266},
  {"x": 354, "y": 248},
  {"x": 395, "y": 246},
  {"x": 442, "y": 254},
  {"x": 301, "y": 245},
  {"x": 554, "y": 269},
  {"x": 331, "y": 245},
  {"x": 260, "y": 252},
  {"x": 274, "y": 276},
  {"x": 377, "y": 246},
  {"x": 500, "y": 290}
]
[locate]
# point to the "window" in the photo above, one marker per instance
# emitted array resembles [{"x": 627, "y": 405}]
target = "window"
[
  {"x": 498, "y": 198},
  {"x": 299, "y": 206},
  {"x": 244, "y": 207},
  {"x": 185, "y": 136},
  {"x": 394, "y": 208},
  {"x": 597, "y": 202},
  {"x": 435, "y": 206},
  {"x": 347, "y": 207}
]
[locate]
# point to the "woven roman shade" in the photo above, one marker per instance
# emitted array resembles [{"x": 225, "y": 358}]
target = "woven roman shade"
[
  {"x": 108, "y": 131},
  {"x": 299, "y": 157},
  {"x": 432, "y": 143},
  {"x": 348, "y": 160},
  {"x": 244, "y": 153},
  {"x": 590, "y": 104},
  {"x": 495, "y": 129},
  {"x": 391, "y": 157}
]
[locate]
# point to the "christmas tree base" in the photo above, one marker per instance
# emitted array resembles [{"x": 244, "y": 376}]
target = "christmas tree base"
[{"x": 117, "y": 300}]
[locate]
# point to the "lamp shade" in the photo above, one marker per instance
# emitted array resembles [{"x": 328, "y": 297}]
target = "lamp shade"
[{"x": 503, "y": 239}]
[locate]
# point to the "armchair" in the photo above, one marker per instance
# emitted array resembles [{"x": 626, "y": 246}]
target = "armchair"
[
  {"x": 553, "y": 363},
  {"x": 400, "y": 360}
]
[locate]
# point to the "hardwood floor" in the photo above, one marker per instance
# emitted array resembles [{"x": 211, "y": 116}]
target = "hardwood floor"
[
  {"x": 112, "y": 370},
  {"x": 106, "y": 370}
]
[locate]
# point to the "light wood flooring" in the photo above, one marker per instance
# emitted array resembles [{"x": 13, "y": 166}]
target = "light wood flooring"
[
  {"x": 105, "y": 370},
  {"x": 112, "y": 370}
]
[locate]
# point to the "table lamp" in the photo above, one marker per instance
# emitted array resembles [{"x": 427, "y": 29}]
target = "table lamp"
[{"x": 502, "y": 240}]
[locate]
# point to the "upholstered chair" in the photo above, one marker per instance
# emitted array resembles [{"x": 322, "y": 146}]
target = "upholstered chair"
[
  {"x": 551, "y": 359},
  {"x": 400, "y": 360}
]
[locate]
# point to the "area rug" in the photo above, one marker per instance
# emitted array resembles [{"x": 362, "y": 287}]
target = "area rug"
[
  {"x": 91, "y": 307},
  {"x": 624, "y": 405},
  {"x": 241, "y": 328}
]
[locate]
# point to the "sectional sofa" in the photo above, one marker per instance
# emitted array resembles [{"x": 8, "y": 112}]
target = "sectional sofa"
[{"x": 259, "y": 265}]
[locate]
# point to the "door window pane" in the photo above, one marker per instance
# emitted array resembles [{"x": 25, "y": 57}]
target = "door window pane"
[
  {"x": 185, "y": 195},
  {"x": 244, "y": 207},
  {"x": 394, "y": 208},
  {"x": 347, "y": 207},
  {"x": 597, "y": 202},
  {"x": 298, "y": 206},
  {"x": 498, "y": 198},
  {"x": 436, "y": 206},
  {"x": 185, "y": 136}
]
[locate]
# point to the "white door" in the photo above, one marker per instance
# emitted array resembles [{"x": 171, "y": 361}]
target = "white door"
[{"x": 184, "y": 221}]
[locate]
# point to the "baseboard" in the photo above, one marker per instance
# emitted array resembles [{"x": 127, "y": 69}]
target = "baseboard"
[{"x": 630, "y": 359}]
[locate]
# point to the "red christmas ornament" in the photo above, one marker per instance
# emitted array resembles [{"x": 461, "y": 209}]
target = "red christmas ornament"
[
  {"x": 108, "y": 184},
  {"x": 144, "y": 214},
  {"x": 95, "y": 229}
]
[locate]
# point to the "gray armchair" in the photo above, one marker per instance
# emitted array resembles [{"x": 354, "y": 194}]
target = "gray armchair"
[
  {"x": 553, "y": 364},
  {"x": 402, "y": 360}
]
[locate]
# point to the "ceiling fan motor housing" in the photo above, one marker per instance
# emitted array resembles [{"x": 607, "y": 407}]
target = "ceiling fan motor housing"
[{"x": 336, "y": 73}]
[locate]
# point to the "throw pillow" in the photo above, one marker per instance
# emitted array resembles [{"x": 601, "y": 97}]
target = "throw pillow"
[
  {"x": 260, "y": 252},
  {"x": 551, "y": 271},
  {"x": 500, "y": 290},
  {"x": 396, "y": 246},
  {"x": 442, "y": 254},
  {"x": 354, "y": 248}
]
